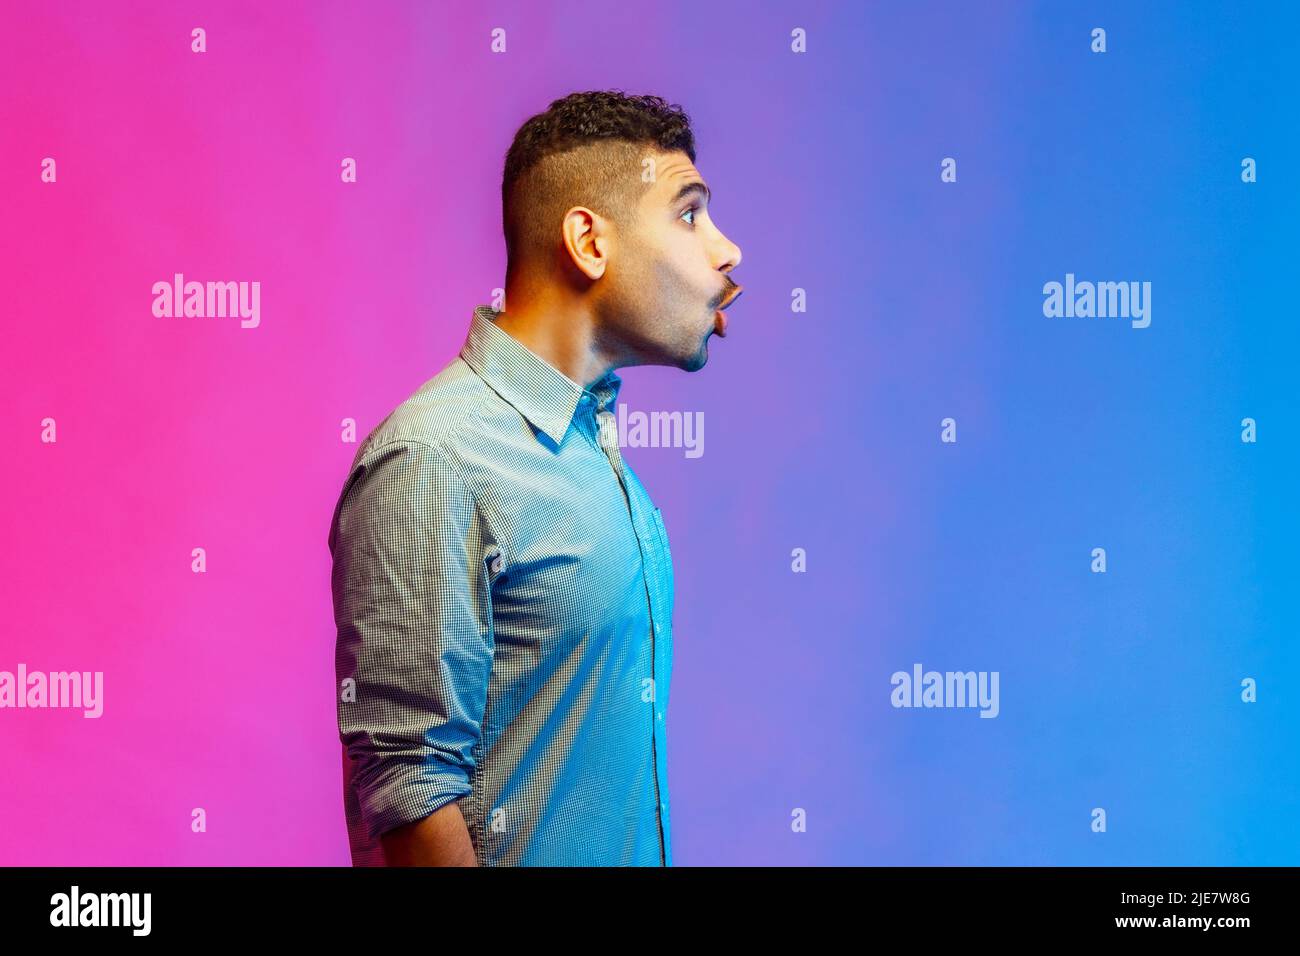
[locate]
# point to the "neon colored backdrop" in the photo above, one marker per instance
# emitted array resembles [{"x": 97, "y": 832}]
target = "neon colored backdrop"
[{"x": 1119, "y": 690}]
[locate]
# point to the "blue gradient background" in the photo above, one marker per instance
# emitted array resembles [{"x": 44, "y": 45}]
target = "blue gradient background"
[
  {"x": 1118, "y": 691},
  {"x": 822, "y": 429}
]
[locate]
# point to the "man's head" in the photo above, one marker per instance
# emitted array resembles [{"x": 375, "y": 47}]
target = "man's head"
[{"x": 602, "y": 204}]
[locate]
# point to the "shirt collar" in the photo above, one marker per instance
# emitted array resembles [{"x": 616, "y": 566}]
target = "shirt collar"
[{"x": 539, "y": 391}]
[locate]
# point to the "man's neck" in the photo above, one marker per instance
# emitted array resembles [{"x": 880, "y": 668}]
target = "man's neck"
[{"x": 562, "y": 334}]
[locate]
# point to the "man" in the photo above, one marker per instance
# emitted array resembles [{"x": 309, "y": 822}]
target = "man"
[{"x": 502, "y": 582}]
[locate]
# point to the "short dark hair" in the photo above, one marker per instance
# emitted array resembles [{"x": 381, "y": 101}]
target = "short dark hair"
[{"x": 583, "y": 151}]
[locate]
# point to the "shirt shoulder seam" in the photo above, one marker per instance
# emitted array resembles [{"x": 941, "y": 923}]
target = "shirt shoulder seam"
[{"x": 442, "y": 445}]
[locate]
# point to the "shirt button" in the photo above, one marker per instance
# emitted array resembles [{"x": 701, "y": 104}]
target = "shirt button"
[
  {"x": 496, "y": 564},
  {"x": 659, "y": 714}
]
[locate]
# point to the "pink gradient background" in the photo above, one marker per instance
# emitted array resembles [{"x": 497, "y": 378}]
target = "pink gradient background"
[{"x": 176, "y": 433}]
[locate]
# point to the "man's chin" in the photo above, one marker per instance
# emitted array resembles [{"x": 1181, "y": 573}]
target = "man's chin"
[
  {"x": 693, "y": 363},
  {"x": 687, "y": 362}
]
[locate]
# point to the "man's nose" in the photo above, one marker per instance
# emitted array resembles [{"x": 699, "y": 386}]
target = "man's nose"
[{"x": 729, "y": 252}]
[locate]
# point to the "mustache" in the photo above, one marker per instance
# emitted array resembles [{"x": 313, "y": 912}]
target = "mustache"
[{"x": 729, "y": 295}]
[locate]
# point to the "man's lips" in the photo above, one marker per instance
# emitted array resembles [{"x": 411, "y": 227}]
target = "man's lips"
[{"x": 720, "y": 320}]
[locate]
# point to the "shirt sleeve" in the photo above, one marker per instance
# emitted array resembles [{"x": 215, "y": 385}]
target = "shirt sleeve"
[{"x": 412, "y": 608}]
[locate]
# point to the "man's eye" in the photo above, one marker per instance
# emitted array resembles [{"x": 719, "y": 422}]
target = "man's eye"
[{"x": 691, "y": 211}]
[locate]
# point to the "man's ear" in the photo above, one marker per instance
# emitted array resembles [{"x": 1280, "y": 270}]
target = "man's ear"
[{"x": 586, "y": 240}]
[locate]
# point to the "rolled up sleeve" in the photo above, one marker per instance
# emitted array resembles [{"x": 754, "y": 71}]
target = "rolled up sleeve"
[{"x": 413, "y": 613}]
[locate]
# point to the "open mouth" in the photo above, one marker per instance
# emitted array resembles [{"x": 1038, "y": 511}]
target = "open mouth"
[
  {"x": 720, "y": 320},
  {"x": 726, "y": 304}
]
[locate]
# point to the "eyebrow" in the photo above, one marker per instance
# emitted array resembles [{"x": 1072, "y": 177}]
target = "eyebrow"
[{"x": 696, "y": 187}]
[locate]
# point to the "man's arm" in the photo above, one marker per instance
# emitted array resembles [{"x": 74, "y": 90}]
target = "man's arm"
[
  {"x": 440, "y": 839},
  {"x": 412, "y": 603}
]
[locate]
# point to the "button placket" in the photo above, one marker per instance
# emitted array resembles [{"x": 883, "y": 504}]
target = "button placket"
[{"x": 608, "y": 432}]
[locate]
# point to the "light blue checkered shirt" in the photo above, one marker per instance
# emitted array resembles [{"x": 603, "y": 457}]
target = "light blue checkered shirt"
[{"x": 503, "y": 592}]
